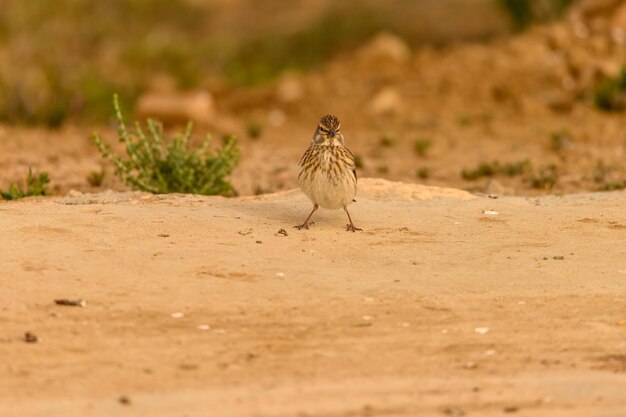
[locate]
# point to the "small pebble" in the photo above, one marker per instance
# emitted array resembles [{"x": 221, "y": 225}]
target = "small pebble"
[
  {"x": 282, "y": 232},
  {"x": 559, "y": 258},
  {"x": 259, "y": 241},
  {"x": 124, "y": 400},
  {"x": 30, "y": 337},
  {"x": 74, "y": 303},
  {"x": 490, "y": 212},
  {"x": 203, "y": 327},
  {"x": 453, "y": 412},
  {"x": 482, "y": 330},
  {"x": 280, "y": 274},
  {"x": 177, "y": 315}
]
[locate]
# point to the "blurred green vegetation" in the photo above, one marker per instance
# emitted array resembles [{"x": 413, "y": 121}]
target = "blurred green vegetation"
[
  {"x": 492, "y": 169},
  {"x": 264, "y": 58},
  {"x": 36, "y": 185},
  {"x": 610, "y": 94},
  {"x": 524, "y": 13},
  {"x": 158, "y": 165},
  {"x": 68, "y": 57}
]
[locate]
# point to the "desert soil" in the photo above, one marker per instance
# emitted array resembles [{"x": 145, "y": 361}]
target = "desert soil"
[{"x": 197, "y": 306}]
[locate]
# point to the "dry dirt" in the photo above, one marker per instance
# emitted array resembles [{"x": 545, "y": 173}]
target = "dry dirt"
[{"x": 197, "y": 307}]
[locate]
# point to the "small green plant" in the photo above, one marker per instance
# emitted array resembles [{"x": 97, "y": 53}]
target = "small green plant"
[
  {"x": 523, "y": 13},
  {"x": 484, "y": 169},
  {"x": 560, "y": 141},
  {"x": 545, "y": 178},
  {"x": 614, "y": 185},
  {"x": 601, "y": 172},
  {"x": 387, "y": 141},
  {"x": 158, "y": 167},
  {"x": 512, "y": 169},
  {"x": 491, "y": 169},
  {"x": 358, "y": 161},
  {"x": 95, "y": 178},
  {"x": 422, "y": 173},
  {"x": 35, "y": 186},
  {"x": 421, "y": 146},
  {"x": 610, "y": 94},
  {"x": 254, "y": 129}
]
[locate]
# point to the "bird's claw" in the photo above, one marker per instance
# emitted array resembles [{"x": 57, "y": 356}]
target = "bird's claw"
[
  {"x": 352, "y": 228},
  {"x": 303, "y": 226}
]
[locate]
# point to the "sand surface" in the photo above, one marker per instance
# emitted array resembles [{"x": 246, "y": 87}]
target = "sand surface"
[{"x": 196, "y": 306}]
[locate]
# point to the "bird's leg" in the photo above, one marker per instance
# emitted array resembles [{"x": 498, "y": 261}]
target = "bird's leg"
[
  {"x": 350, "y": 227},
  {"x": 306, "y": 223}
]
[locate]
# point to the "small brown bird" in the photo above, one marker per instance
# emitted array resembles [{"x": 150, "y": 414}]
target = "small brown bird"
[{"x": 327, "y": 171}]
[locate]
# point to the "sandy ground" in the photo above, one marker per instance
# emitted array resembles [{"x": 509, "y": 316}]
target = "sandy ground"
[{"x": 436, "y": 308}]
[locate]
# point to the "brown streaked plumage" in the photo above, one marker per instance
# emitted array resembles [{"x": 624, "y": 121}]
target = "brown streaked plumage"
[{"x": 327, "y": 171}]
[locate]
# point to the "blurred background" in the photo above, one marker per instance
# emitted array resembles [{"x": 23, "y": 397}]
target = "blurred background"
[{"x": 493, "y": 96}]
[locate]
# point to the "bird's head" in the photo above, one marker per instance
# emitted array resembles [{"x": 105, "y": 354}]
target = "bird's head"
[{"x": 328, "y": 131}]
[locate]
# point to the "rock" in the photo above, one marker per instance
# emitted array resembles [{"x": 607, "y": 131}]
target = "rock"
[
  {"x": 176, "y": 107},
  {"x": 74, "y": 193},
  {"x": 30, "y": 337},
  {"x": 289, "y": 89},
  {"x": 386, "y": 101},
  {"x": 276, "y": 117},
  {"x": 618, "y": 24},
  {"x": 386, "y": 47}
]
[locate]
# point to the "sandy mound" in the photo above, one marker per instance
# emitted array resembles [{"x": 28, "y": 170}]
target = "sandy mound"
[{"x": 446, "y": 304}]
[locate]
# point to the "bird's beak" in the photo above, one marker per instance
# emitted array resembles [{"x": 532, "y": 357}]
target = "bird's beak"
[{"x": 331, "y": 133}]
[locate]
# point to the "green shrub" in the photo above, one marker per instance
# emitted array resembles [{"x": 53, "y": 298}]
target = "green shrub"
[
  {"x": 614, "y": 185},
  {"x": 484, "y": 169},
  {"x": 158, "y": 167},
  {"x": 35, "y": 186},
  {"x": 610, "y": 94},
  {"x": 523, "y": 13},
  {"x": 491, "y": 169},
  {"x": 422, "y": 173},
  {"x": 387, "y": 141},
  {"x": 421, "y": 146},
  {"x": 545, "y": 178},
  {"x": 95, "y": 178},
  {"x": 560, "y": 141},
  {"x": 512, "y": 169},
  {"x": 358, "y": 161},
  {"x": 254, "y": 129}
]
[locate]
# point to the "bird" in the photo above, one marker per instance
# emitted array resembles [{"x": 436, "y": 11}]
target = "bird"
[{"x": 328, "y": 171}]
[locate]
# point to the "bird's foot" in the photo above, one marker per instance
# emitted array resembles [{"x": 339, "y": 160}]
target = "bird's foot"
[
  {"x": 304, "y": 225},
  {"x": 352, "y": 228}
]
